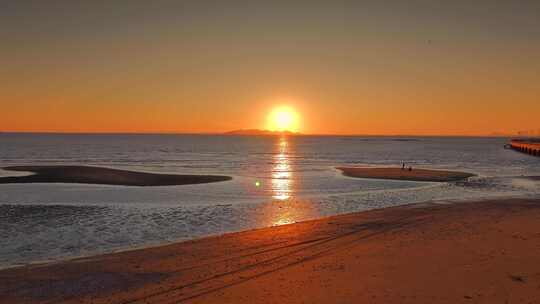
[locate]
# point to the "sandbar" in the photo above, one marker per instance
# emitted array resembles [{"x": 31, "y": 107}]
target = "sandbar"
[
  {"x": 104, "y": 176},
  {"x": 420, "y": 175}
]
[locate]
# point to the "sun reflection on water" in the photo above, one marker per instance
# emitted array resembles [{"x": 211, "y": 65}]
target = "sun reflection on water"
[
  {"x": 281, "y": 172},
  {"x": 284, "y": 207}
]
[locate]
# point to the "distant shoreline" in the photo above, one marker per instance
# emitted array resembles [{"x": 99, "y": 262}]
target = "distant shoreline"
[
  {"x": 225, "y": 134},
  {"x": 104, "y": 176}
]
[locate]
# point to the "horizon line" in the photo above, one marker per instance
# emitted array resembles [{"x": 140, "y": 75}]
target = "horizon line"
[{"x": 276, "y": 133}]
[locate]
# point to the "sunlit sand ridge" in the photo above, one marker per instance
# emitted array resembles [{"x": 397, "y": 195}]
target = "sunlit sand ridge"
[{"x": 416, "y": 174}]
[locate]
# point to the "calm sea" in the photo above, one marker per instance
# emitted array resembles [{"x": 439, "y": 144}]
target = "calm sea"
[{"x": 275, "y": 181}]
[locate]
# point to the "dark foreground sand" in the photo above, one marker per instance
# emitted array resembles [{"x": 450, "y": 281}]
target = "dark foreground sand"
[
  {"x": 105, "y": 176},
  {"x": 422, "y": 175},
  {"x": 481, "y": 252}
]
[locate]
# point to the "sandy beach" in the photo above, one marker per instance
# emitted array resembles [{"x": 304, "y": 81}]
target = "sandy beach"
[
  {"x": 421, "y": 175},
  {"x": 466, "y": 252},
  {"x": 103, "y": 176}
]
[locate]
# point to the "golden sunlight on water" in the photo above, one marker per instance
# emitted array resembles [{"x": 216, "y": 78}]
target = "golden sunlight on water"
[
  {"x": 284, "y": 209},
  {"x": 281, "y": 172},
  {"x": 282, "y": 212}
]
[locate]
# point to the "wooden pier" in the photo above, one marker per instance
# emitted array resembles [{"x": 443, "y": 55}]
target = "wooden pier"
[{"x": 529, "y": 146}]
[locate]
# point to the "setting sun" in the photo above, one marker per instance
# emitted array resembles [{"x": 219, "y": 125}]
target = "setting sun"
[{"x": 283, "y": 119}]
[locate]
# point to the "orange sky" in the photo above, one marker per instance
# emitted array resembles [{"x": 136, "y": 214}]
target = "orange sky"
[{"x": 346, "y": 68}]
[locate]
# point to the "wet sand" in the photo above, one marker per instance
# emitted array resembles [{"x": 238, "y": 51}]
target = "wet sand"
[
  {"x": 104, "y": 176},
  {"x": 422, "y": 175},
  {"x": 468, "y": 252}
]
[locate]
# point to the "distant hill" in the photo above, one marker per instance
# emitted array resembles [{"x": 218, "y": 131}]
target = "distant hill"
[{"x": 260, "y": 132}]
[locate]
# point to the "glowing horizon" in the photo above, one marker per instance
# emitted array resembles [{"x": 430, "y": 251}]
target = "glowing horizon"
[{"x": 356, "y": 67}]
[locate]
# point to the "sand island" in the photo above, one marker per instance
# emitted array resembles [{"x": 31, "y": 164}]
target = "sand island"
[
  {"x": 420, "y": 175},
  {"x": 104, "y": 176}
]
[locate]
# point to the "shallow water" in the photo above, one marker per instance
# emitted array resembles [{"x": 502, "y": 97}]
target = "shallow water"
[{"x": 276, "y": 181}]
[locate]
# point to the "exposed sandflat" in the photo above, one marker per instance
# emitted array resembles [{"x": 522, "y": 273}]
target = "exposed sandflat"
[
  {"x": 482, "y": 252},
  {"x": 423, "y": 175},
  {"x": 105, "y": 176}
]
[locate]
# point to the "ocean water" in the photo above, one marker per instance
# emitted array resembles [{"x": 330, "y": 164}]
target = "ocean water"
[{"x": 275, "y": 181}]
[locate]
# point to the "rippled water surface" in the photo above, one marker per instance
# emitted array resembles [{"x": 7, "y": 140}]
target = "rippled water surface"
[{"x": 275, "y": 181}]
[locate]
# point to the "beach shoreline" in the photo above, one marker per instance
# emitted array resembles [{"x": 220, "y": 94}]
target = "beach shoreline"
[{"x": 253, "y": 266}]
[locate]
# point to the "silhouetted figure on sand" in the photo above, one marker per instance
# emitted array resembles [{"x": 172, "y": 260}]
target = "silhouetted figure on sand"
[
  {"x": 403, "y": 166},
  {"x": 410, "y": 168}
]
